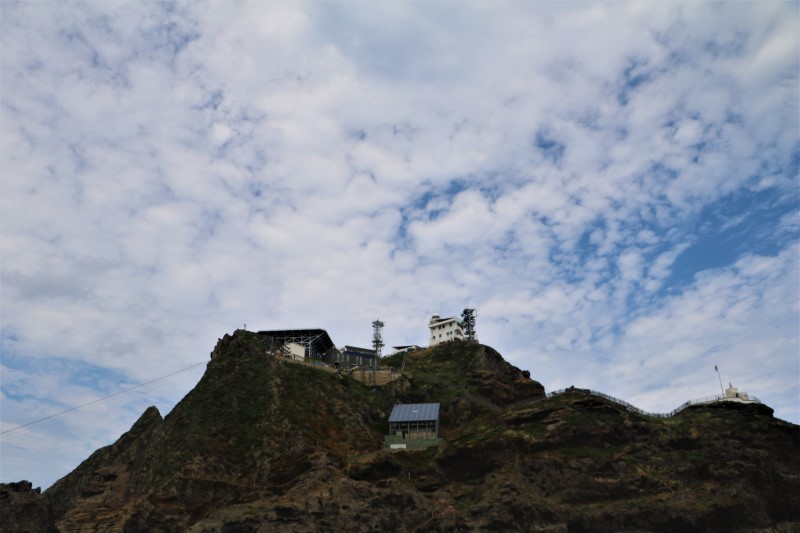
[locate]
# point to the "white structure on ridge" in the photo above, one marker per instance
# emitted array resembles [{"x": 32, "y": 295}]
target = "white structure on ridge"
[
  {"x": 444, "y": 330},
  {"x": 732, "y": 394}
]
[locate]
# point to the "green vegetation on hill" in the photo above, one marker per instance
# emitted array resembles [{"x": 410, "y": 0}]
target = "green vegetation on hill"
[{"x": 263, "y": 444}]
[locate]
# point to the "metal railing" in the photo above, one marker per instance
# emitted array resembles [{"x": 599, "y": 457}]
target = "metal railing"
[{"x": 633, "y": 408}]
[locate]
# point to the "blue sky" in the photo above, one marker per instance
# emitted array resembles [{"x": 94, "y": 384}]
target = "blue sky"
[{"x": 613, "y": 186}]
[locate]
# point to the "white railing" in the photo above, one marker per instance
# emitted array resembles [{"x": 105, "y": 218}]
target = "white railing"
[{"x": 635, "y": 409}]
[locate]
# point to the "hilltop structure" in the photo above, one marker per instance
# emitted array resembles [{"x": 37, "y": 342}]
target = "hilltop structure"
[
  {"x": 316, "y": 342},
  {"x": 731, "y": 394},
  {"x": 351, "y": 356},
  {"x": 444, "y": 330},
  {"x": 259, "y": 445},
  {"x": 468, "y": 322}
]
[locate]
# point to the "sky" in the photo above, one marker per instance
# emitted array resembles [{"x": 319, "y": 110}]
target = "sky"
[{"x": 613, "y": 186}]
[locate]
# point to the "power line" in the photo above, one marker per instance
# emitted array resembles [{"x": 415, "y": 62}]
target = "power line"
[{"x": 102, "y": 399}]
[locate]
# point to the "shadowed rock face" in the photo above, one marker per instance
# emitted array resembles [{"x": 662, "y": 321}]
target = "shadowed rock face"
[
  {"x": 264, "y": 445},
  {"x": 23, "y": 509}
]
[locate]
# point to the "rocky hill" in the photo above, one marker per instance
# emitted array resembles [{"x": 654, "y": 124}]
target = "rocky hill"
[{"x": 262, "y": 444}]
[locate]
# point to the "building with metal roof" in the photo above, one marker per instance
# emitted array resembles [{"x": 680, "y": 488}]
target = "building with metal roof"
[
  {"x": 413, "y": 425},
  {"x": 316, "y": 342},
  {"x": 351, "y": 356}
]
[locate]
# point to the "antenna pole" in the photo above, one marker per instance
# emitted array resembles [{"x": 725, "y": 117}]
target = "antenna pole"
[
  {"x": 377, "y": 340},
  {"x": 720, "y": 381},
  {"x": 468, "y": 321}
]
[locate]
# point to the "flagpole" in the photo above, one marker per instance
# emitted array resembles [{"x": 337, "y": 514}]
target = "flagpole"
[{"x": 720, "y": 381}]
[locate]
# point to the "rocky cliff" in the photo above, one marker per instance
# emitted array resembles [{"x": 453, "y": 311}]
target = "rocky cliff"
[{"x": 262, "y": 444}]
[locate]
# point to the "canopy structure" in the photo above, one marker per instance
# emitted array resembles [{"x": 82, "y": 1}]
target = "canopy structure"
[
  {"x": 316, "y": 342},
  {"x": 415, "y": 421}
]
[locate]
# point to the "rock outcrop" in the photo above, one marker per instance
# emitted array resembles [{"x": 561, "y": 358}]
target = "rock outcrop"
[
  {"x": 24, "y": 509},
  {"x": 262, "y": 444}
]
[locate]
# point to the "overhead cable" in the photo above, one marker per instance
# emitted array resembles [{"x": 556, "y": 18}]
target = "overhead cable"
[{"x": 101, "y": 399}]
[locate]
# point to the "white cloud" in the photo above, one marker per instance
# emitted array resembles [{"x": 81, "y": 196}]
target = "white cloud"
[
  {"x": 739, "y": 317},
  {"x": 171, "y": 174},
  {"x": 630, "y": 265}
]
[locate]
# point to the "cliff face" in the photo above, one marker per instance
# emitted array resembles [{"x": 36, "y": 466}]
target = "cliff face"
[
  {"x": 261, "y": 444},
  {"x": 24, "y": 509}
]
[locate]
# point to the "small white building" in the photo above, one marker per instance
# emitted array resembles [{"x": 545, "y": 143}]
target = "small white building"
[
  {"x": 444, "y": 330},
  {"x": 732, "y": 394},
  {"x": 294, "y": 351}
]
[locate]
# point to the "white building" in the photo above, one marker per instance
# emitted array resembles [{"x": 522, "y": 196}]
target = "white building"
[
  {"x": 444, "y": 330},
  {"x": 732, "y": 394},
  {"x": 294, "y": 351}
]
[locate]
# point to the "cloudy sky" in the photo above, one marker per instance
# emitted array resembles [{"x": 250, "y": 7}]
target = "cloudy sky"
[{"x": 613, "y": 186}]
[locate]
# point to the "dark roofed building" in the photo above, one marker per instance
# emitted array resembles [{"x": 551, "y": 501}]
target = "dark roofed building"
[
  {"x": 413, "y": 425},
  {"x": 317, "y": 342},
  {"x": 355, "y": 356}
]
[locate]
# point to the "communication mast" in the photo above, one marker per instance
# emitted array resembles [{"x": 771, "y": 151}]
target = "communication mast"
[
  {"x": 377, "y": 340},
  {"x": 468, "y": 322}
]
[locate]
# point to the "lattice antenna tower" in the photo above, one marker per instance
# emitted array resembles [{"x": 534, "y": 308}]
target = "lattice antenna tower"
[
  {"x": 377, "y": 339},
  {"x": 468, "y": 322}
]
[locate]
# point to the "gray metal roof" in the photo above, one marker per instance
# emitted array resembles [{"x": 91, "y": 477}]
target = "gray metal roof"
[
  {"x": 316, "y": 340},
  {"x": 414, "y": 412}
]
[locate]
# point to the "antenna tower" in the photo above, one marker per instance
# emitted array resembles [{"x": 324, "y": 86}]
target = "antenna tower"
[
  {"x": 377, "y": 340},
  {"x": 468, "y": 320}
]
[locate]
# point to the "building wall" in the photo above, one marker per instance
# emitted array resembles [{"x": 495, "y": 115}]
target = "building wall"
[
  {"x": 444, "y": 330},
  {"x": 733, "y": 394},
  {"x": 424, "y": 429},
  {"x": 375, "y": 377},
  {"x": 294, "y": 351},
  {"x": 395, "y": 442}
]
